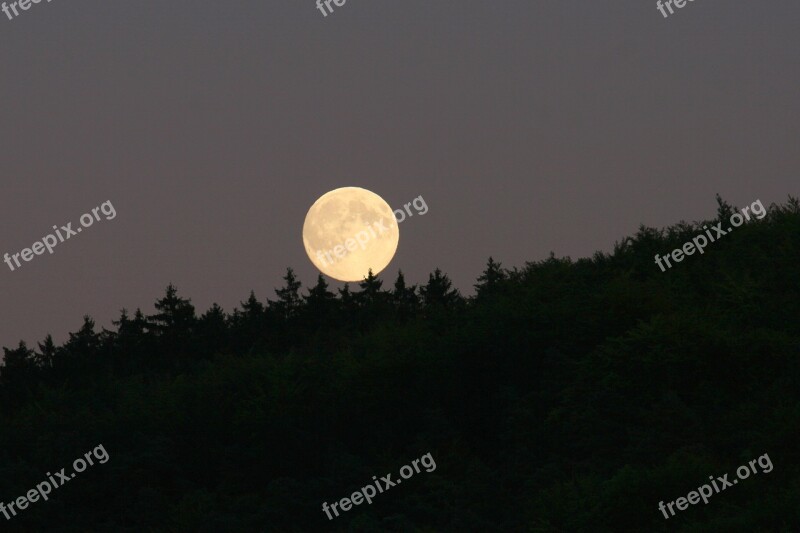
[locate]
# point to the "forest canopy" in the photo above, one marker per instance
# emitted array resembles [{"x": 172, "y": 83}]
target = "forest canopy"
[{"x": 565, "y": 395}]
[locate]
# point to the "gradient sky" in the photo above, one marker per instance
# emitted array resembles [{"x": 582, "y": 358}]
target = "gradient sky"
[{"x": 528, "y": 127}]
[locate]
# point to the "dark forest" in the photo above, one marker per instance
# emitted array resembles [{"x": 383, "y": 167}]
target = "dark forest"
[{"x": 565, "y": 395}]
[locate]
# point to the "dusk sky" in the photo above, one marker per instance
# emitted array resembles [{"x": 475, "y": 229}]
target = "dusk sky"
[{"x": 212, "y": 127}]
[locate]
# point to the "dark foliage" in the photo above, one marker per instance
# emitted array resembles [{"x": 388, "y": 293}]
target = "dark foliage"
[{"x": 565, "y": 396}]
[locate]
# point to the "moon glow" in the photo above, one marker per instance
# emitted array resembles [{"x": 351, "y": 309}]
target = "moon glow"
[{"x": 349, "y": 231}]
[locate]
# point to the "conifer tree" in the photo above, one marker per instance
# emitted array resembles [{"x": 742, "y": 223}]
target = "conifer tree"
[
  {"x": 47, "y": 353},
  {"x": 18, "y": 364},
  {"x": 123, "y": 323},
  {"x": 405, "y": 298},
  {"x": 175, "y": 314},
  {"x": 438, "y": 292},
  {"x": 289, "y": 299},
  {"x": 370, "y": 294},
  {"x": 140, "y": 324},
  {"x": 347, "y": 304},
  {"x": 85, "y": 342},
  {"x": 253, "y": 309},
  {"x": 490, "y": 280},
  {"x": 213, "y": 330},
  {"x": 320, "y": 301}
]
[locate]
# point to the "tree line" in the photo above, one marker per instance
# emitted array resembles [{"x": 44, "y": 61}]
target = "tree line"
[{"x": 565, "y": 395}]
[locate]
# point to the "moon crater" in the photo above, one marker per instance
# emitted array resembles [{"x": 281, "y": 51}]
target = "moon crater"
[{"x": 349, "y": 231}]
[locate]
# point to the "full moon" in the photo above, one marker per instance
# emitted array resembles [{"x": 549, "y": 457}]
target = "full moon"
[{"x": 349, "y": 231}]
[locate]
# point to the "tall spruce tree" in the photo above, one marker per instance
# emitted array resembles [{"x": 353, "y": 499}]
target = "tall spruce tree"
[
  {"x": 289, "y": 299},
  {"x": 175, "y": 314}
]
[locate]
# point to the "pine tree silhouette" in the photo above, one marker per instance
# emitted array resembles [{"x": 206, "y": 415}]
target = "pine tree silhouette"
[
  {"x": 175, "y": 314},
  {"x": 289, "y": 300},
  {"x": 490, "y": 280}
]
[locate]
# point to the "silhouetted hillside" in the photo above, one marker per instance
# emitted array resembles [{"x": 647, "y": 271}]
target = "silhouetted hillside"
[{"x": 565, "y": 396}]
